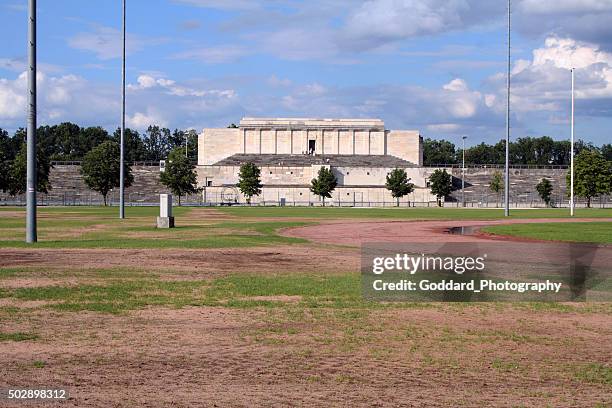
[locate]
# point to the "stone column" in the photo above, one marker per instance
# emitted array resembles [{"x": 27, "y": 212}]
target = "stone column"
[
  {"x": 275, "y": 141},
  {"x": 244, "y": 140},
  {"x": 338, "y": 146},
  {"x": 260, "y": 129},
  {"x": 322, "y": 141},
  {"x": 353, "y": 142}
]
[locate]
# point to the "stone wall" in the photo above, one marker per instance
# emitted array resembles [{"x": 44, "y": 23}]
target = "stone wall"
[
  {"x": 68, "y": 188},
  {"x": 357, "y": 186},
  {"x": 523, "y": 183}
]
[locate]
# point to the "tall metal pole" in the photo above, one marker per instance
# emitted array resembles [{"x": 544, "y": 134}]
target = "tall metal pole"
[
  {"x": 31, "y": 235},
  {"x": 121, "y": 154},
  {"x": 572, "y": 204},
  {"x": 463, "y": 171},
  {"x": 507, "y": 167}
]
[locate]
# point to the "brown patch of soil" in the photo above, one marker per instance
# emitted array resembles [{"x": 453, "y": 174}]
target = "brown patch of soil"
[
  {"x": 356, "y": 233},
  {"x": 223, "y": 357},
  {"x": 195, "y": 263}
]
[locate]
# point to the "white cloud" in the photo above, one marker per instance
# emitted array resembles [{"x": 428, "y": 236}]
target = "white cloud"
[
  {"x": 170, "y": 87},
  {"x": 456, "y": 84},
  {"x": 567, "y": 53},
  {"x": 543, "y": 82},
  {"x": 151, "y": 100},
  {"x": 13, "y": 97},
  {"x": 393, "y": 20},
  {"x": 443, "y": 127},
  {"x": 140, "y": 120},
  {"x": 564, "y": 6}
]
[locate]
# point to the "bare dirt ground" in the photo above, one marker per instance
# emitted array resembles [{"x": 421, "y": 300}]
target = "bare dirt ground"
[
  {"x": 200, "y": 263},
  {"x": 425, "y": 355},
  {"x": 221, "y": 357},
  {"x": 356, "y": 232}
]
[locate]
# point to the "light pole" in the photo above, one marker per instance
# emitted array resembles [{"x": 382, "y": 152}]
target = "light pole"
[
  {"x": 31, "y": 233},
  {"x": 187, "y": 134},
  {"x": 572, "y": 153},
  {"x": 463, "y": 170},
  {"x": 507, "y": 166},
  {"x": 122, "y": 142}
]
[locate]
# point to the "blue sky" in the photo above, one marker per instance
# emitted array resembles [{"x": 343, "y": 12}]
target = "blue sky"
[{"x": 433, "y": 65}]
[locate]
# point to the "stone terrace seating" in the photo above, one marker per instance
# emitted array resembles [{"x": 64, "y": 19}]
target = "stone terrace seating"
[{"x": 297, "y": 160}]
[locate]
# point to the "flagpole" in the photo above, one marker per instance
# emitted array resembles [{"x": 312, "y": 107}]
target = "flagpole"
[
  {"x": 572, "y": 204},
  {"x": 122, "y": 142},
  {"x": 507, "y": 166},
  {"x": 31, "y": 230}
]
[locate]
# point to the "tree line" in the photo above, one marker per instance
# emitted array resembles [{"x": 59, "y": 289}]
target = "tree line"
[
  {"x": 525, "y": 150},
  {"x": 70, "y": 142},
  {"x": 95, "y": 147}
]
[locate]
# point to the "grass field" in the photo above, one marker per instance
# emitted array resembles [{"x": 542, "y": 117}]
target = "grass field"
[
  {"x": 225, "y": 309},
  {"x": 596, "y": 232},
  {"x": 99, "y": 227}
]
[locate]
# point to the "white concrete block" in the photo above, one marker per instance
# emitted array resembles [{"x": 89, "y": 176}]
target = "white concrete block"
[{"x": 165, "y": 205}]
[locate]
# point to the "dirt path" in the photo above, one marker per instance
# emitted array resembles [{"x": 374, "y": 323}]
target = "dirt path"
[{"x": 355, "y": 233}]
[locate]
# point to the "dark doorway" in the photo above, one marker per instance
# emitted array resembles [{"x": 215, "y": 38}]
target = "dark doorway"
[{"x": 312, "y": 144}]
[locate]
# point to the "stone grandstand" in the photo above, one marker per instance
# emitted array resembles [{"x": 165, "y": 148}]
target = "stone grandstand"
[{"x": 68, "y": 188}]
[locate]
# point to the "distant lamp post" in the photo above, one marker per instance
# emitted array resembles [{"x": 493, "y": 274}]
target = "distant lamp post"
[
  {"x": 463, "y": 170},
  {"x": 572, "y": 204}
]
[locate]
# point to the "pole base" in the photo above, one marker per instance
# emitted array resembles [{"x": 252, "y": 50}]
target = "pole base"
[{"x": 165, "y": 222}]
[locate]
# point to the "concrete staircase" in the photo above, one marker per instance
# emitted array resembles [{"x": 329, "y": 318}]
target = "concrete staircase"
[{"x": 298, "y": 160}]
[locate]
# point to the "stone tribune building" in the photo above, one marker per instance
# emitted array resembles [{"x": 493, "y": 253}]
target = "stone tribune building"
[{"x": 290, "y": 152}]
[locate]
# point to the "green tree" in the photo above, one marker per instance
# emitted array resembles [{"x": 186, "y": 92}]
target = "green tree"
[
  {"x": 249, "y": 181},
  {"x": 484, "y": 154},
  {"x": 187, "y": 140},
  {"x": 440, "y": 184},
  {"x": 592, "y": 175},
  {"x": 324, "y": 184},
  {"x": 497, "y": 185},
  {"x": 438, "y": 152},
  {"x": 544, "y": 189},
  {"x": 179, "y": 175},
  {"x": 399, "y": 184},
  {"x": 134, "y": 146},
  {"x": 17, "y": 181},
  {"x": 5, "y": 160},
  {"x": 606, "y": 151},
  {"x": 157, "y": 143},
  {"x": 100, "y": 169},
  {"x": 561, "y": 152}
]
